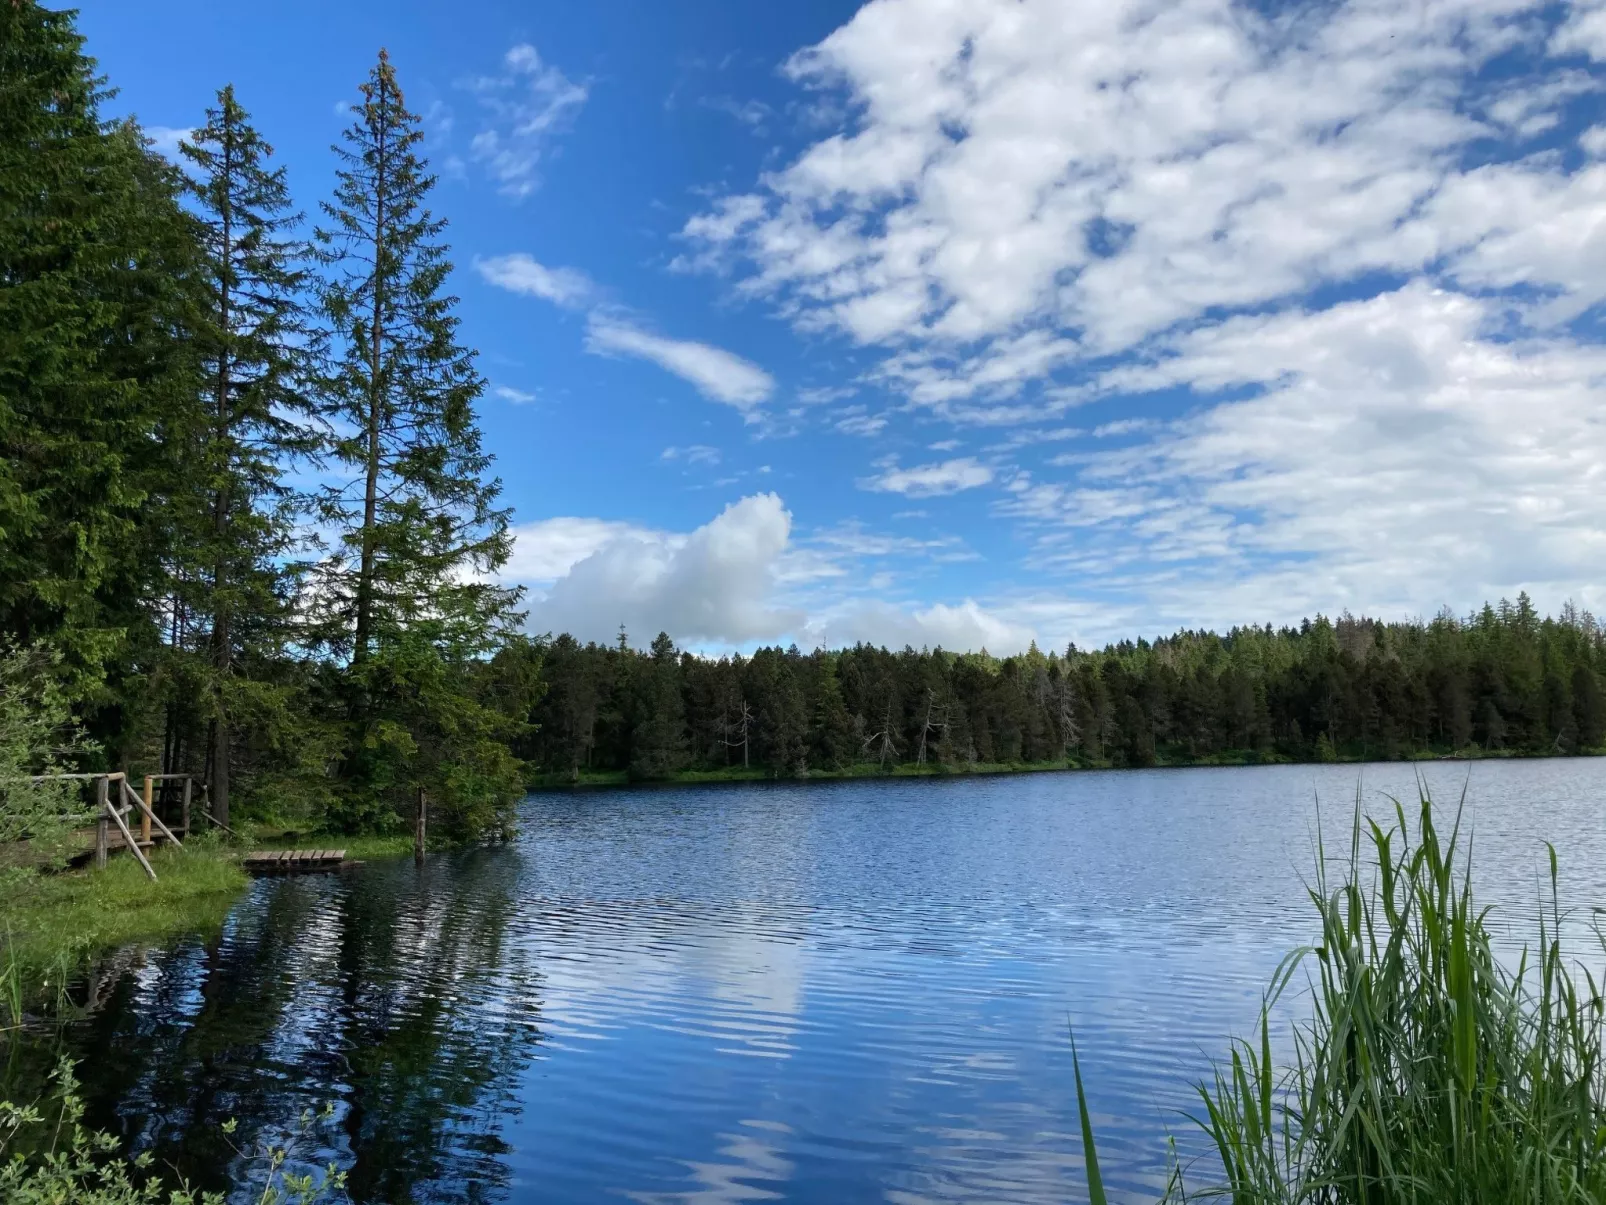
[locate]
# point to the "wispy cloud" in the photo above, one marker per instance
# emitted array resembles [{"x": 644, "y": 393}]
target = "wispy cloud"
[
  {"x": 928, "y": 480},
  {"x": 720, "y": 375},
  {"x": 856, "y": 420},
  {"x": 717, "y": 374},
  {"x": 694, "y": 454},
  {"x": 509, "y": 394},
  {"x": 520, "y": 273},
  {"x": 528, "y": 104}
]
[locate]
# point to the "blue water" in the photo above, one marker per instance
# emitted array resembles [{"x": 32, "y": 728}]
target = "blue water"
[{"x": 822, "y": 993}]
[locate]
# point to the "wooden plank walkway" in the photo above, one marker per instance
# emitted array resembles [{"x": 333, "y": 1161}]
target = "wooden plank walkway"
[{"x": 293, "y": 861}]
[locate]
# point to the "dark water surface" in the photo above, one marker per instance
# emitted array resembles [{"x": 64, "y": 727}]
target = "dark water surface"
[{"x": 814, "y": 993}]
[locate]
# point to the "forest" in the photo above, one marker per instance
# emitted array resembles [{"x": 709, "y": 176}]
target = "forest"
[
  {"x": 1502, "y": 680},
  {"x": 247, "y": 525},
  {"x": 248, "y": 530}
]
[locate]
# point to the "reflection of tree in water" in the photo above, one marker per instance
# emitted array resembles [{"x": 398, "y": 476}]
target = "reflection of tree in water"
[{"x": 393, "y": 993}]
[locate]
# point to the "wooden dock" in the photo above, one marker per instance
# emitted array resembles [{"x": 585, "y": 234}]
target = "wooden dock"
[{"x": 293, "y": 861}]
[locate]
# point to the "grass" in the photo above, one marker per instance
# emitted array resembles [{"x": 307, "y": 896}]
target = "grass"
[
  {"x": 52, "y": 923},
  {"x": 1429, "y": 1070}
]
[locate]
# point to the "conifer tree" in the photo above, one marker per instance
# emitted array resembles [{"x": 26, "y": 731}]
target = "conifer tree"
[
  {"x": 98, "y": 262},
  {"x": 417, "y": 515},
  {"x": 405, "y": 593},
  {"x": 256, "y": 344},
  {"x": 658, "y": 735}
]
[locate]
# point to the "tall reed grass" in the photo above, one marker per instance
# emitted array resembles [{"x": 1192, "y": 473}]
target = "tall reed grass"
[{"x": 1431, "y": 1071}]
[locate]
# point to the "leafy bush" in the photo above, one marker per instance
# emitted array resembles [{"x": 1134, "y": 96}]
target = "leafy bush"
[{"x": 48, "y": 1157}]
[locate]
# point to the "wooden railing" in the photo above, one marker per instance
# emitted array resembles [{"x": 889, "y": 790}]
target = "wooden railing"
[{"x": 116, "y": 801}]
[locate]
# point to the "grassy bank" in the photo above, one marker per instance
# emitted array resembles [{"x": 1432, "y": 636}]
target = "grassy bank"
[{"x": 53, "y": 923}]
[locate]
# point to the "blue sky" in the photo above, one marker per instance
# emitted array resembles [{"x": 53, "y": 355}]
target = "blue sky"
[{"x": 976, "y": 322}]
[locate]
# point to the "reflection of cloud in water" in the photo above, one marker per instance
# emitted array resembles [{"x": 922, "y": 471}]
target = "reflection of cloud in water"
[{"x": 748, "y": 1157}]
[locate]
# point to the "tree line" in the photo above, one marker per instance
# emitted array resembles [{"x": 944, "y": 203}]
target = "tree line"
[
  {"x": 1501, "y": 680},
  {"x": 247, "y": 525}
]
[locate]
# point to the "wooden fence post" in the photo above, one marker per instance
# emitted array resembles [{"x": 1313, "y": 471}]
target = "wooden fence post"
[
  {"x": 418, "y": 829},
  {"x": 101, "y": 821},
  {"x": 145, "y": 816},
  {"x": 188, "y": 783}
]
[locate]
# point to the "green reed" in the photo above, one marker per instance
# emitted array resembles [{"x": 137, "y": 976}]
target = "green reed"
[{"x": 1429, "y": 1072}]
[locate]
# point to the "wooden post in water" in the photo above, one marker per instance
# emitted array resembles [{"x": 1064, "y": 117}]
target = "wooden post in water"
[
  {"x": 145, "y": 816},
  {"x": 102, "y": 836},
  {"x": 418, "y": 828},
  {"x": 188, "y": 783}
]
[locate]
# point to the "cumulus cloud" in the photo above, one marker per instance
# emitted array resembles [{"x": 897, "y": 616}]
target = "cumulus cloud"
[
  {"x": 927, "y": 480},
  {"x": 967, "y": 627},
  {"x": 715, "y": 585},
  {"x": 739, "y": 580},
  {"x": 1331, "y": 273},
  {"x": 525, "y": 107},
  {"x": 717, "y": 374},
  {"x": 548, "y": 548}
]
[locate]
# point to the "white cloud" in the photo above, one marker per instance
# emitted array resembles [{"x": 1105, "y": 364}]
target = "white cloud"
[
  {"x": 720, "y": 375},
  {"x": 1031, "y": 182},
  {"x": 855, "y": 420},
  {"x": 926, "y": 480},
  {"x": 528, "y": 104},
  {"x": 547, "y": 549},
  {"x": 520, "y": 273},
  {"x": 717, "y": 374},
  {"x": 967, "y": 627},
  {"x": 739, "y": 580},
  {"x": 509, "y": 394},
  {"x": 1584, "y": 31},
  {"x": 715, "y": 585},
  {"x": 165, "y": 139},
  {"x": 695, "y": 454},
  {"x": 1393, "y": 460}
]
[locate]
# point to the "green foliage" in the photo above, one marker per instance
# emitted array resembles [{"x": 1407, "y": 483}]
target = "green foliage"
[
  {"x": 417, "y": 520},
  {"x": 37, "y": 736},
  {"x": 234, "y": 592},
  {"x": 165, "y": 376},
  {"x": 1499, "y": 682},
  {"x": 99, "y": 264},
  {"x": 1435, "y": 1067},
  {"x": 49, "y": 1157},
  {"x": 50, "y": 924}
]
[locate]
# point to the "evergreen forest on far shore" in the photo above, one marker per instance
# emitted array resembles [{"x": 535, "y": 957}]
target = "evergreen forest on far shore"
[
  {"x": 1500, "y": 681},
  {"x": 248, "y": 530}
]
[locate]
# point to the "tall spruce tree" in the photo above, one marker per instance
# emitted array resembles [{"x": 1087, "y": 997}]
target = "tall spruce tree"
[
  {"x": 98, "y": 288},
  {"x": 418, "y": 525},
  {"x": 257, "y": 346}
]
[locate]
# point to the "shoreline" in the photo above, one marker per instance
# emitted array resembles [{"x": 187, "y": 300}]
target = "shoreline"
[{"x": 610, "y": 779}]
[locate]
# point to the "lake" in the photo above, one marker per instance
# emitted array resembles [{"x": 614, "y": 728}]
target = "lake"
[{"x": 823, "y": 993}]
